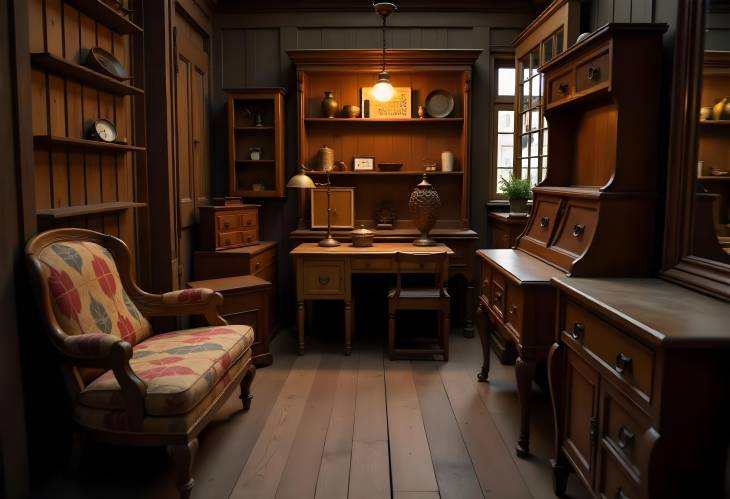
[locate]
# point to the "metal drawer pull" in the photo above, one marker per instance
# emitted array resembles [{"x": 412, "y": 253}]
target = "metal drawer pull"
[
  {"x": 563, "y": 87},
  {"x": 620, "y": 494},
  {"x": 594, "y": 430},
  {"x": 226, "y": 225},
  {"x": 513, "y": 309},
  {"x": 324, "y": 280},
  {"x": 623, "y": 362},
  {"x": 578, "y": 230},
  {"x": 578, "y": 330},
  {"x": 498, "y": 297},
  {"x": 625, "y": 438},
  {"x": 594, "y": 72},
  {"x": 544, "y": 221},
  {"x": 248, "y": 222}
]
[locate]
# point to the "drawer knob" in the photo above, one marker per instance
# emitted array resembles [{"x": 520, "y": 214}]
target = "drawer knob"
[
  {"x": 498, "y": 297},
  {"x": 248, "y": 239},
  {"x": 248, "y": 222},
  {"x": 578, "y": 230},
  {"x": 577, "y": 331},
  {"x": 544, "y": 221},
  {"x": 593, "y": 432},
  {"x": 623, "y": 362},
  {"x": 625, "y": 437},
  {"x": 513, "y": 309},
  {"x": 258, "y": 264},
  {"x": 594, "y": 72},
  {"x": 226, "y": 225},
  {"x": 324, "y": 280},
  {"x": 563, "y": 87},
  {"x": 620, "y": 494}
]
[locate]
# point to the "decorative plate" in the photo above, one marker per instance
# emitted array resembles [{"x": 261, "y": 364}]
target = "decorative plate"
[
  {"x": 439, "y": 104},
  {"x": 105, "y": 62}
]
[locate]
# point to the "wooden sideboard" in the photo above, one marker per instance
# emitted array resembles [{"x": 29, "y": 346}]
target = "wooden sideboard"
[{"x": 641, "y": 388}]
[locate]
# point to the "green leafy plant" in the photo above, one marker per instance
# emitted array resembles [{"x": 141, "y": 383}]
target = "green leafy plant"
[{"x": 515, "y": 187}]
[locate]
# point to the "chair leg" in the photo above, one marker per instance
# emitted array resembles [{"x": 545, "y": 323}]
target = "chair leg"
[
  {"x": 182, "y": 455},
  {"x": 391, "y": 334},
  {"x": 246, "y": 387}
]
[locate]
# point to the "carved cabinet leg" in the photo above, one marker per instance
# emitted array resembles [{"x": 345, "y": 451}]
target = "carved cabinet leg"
[
  {"x": 182, "y": 456},
  {"x": 525, "y": 371},
  {"x": 469, "y": 310},
  {"x": 483, "y": 326},
  {"x": 246, "y": 396},
  {"x": 348, "y": 327},
  {"x": 300, "y": 326}
]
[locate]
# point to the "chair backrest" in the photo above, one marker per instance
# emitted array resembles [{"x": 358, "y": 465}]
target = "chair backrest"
[
  {"x": 422, "y": 263},
  {"x": 79, "y": 286}
]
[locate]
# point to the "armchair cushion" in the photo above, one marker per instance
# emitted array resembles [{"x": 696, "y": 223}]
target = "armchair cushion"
[
  {"x": 179, "y": 368},
  {"x": 87, "y": 292}
]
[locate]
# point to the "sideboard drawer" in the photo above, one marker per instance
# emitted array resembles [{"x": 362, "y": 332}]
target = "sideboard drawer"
[
  {"x": 578, "y": 226},
  {"x": 624, "y": 426},
  {"x": 497, "y": 296},
  {"x": 228, "y": 222},
  {"x": 615, "y": 481},
  {"x": 485, "y": 281},
  {"x": 427, "y": 267},
  {"x": 322, "y": 278},
  {"x": 594, "y": 72},
  {"x": 625, "y": 357},
  {"x": 249, "y": 218},
  {"x": 225, "y": 227},
  {"x": 237, "y": 238},
  {"x": 514, "y": 309},
  {"x": 263, "y": 260},
  {"x": 542, "y": 224},
  {"x": 561, "y": 87},
  {"x": 383, "y": 264}
]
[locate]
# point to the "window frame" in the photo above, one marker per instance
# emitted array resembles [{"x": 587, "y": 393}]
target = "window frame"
[{"x": 500, "y": 103}]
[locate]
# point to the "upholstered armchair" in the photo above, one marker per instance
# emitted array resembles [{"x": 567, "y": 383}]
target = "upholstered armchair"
[{"x": 127, "y": 384}]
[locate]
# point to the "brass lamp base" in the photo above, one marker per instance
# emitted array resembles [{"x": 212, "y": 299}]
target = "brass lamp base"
[
  {"x": 424, "y": 240},
  {"x": 329, "y": 242}
]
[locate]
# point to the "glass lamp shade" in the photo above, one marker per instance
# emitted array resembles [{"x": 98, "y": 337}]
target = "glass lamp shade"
[
  {"x": 383, "y": 90},
  {"x": 301, "y": 181}
]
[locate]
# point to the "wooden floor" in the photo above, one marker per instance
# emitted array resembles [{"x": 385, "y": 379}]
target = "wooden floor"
[{"x": 328, "y": 426}]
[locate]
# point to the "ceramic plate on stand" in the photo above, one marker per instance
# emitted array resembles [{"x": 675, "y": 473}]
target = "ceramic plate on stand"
[{"x": 439, "y": 104}]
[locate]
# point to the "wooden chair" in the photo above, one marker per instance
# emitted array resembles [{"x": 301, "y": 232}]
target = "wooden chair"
[
  {"x": 127, "y": 384},
  {"x": 423, "y": 298}
]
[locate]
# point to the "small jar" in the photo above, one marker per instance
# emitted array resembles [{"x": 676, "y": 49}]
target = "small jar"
[
  {"x": 255, "y": 153},
  {"x": 362, "y": 237}
]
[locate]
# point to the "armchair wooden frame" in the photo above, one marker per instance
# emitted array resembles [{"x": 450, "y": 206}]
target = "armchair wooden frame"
[
  {"x": 114, "y": 353},
  {"x": 436, "y": 298}
]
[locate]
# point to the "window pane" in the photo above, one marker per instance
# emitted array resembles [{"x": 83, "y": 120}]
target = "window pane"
[
  {"x": 534, "y": 137},
  {"x": 535, "y": 84},
  {"x": 502, "y": 174},
  {"x": 504, "y": 150},
  {"x": 544, "y": 122},
  {"x": 547, "y": 50},
  {"x": 534, "y": 119},
  {"x": 524, "y": 154},
  {"x": 534, "y": 171},
  {"x": 505, "y": 121},
  {"x": 506, "y": 81},
  {"x": 544, "y": 142},
  {"x": 525, "y": 167},
  {"x": 534, "y": 61},
  {"x": 525, "y": 63},
  {"x": 525, "y": 122},
  {"x": 525, "y": 96},
  {"x": 559, "y": 42}
]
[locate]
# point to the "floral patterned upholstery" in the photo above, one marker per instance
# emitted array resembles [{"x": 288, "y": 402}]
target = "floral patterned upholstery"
[
  {"x": 179, "y": 369},
  {"x": 87, "y": 293},
  {"x": 115, "y": 420}
]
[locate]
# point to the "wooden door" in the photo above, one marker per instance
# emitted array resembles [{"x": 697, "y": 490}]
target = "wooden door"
[
  {"x": 193, "y": 161},
  {"x": 581, "y": 418}
]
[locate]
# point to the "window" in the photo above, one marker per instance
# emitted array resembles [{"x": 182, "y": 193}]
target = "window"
[
  {"x": 504, "y": 122},
  {"x": 532, "y": 136}
]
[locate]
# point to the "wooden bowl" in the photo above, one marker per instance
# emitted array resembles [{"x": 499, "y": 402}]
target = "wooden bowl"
[{"x": 389, "y": 167}]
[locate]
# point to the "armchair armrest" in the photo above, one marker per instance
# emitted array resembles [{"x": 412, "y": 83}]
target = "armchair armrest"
[
  {"x": 110, "y": 352},
  {"x": 198, "y": 301}
]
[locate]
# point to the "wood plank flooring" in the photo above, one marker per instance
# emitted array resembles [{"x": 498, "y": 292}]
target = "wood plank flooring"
[{"x": 327, "y": 426}]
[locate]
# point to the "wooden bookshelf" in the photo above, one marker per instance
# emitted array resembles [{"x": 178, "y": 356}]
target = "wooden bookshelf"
[
  {"x": 107, "y": 15},
  {"x": 87, "y": 209},
  {"x": 82, "y": 144}
]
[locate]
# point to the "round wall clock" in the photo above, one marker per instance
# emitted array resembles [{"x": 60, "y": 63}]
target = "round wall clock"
[{"x": 103, "y": 130}]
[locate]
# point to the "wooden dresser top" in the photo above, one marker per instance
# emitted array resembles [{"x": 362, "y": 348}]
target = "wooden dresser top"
[
  {"x": 346, "y": 249},
  {"x": 658, "y": 310},
  {"x": 520, "y": 266}
]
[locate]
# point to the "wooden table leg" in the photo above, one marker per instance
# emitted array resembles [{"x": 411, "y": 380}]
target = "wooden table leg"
[
  {"x": 348, "y": 327},
  {"x": 525, "y": 371},
  {"x": 469, "y": 310},
  {"x": 484, "y": 329},
  {"x": 300, "y": 326}
]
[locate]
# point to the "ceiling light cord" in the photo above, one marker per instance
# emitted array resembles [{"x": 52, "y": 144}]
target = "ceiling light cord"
[{"x": 384, "y": 18}]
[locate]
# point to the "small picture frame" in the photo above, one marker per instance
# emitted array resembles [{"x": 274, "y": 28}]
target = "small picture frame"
[
  {"x": 342, "y": 204},
  {"x": 363, "y": 163}
]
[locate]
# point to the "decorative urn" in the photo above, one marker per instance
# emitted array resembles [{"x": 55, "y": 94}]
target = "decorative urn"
[
  {"x": 424, "y": 204},
  {"x": 362, "y": 237},
  {"x": 329, "y": 104}
]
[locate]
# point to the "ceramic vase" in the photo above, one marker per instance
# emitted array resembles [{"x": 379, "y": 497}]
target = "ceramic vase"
[
  {"x": 424, "y": 204},
  {"x": 329, "y": 104},
  {"x": 517, "y": 207},
  {"x": 718, "y": 109}
]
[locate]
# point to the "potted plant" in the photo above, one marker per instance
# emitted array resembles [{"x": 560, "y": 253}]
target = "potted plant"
[{"x": 518, "y": 191}]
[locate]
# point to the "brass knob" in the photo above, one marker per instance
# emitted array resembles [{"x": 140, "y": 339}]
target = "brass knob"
[
  {"x": 226, "y": 225},
  {"x": 324, "y": 280},
  {"x": 578, "y": 230},
  {"x": 625, "y": 437},
  {"x": 577, "y": 331},
  {"x": 563, "y": 87},
  {"x": 594, "y": 72},
  {"x": 513, "y": 309},
  {"x": 623, "y": 362},
  {"x": 258, "y": 264},
  {"x": 544, "y": 221},
  {"x": 248, "y": 222}
]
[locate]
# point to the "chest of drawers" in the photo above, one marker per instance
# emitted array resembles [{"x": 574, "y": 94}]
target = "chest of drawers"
[
  {"x": 232, "y": 226},
  {"x": 640, "y": 386}
]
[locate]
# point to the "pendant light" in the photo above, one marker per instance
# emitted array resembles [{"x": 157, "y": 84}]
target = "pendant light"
[{"x": 383, "y": 90}]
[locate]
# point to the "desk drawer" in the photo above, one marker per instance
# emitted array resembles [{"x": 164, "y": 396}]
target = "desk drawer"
[
  {"x": 626, "y": 358},
  {"x": 561, "y": 87},
  {"x": 228, "y": 222},
  {"x": 323, "y": 278},
  {"x": 249, "y": 218},
  {"x": 615, "y": 481},
  {"x": 238, "y": 238},
  {"x": 624, "y": 427},
  {"x": 373, "y": 264},
  {"x": 543, "y": 223},
  {"x": 263, "y": 260},
  {"x": 514, "y": 309},
  {"x": 593, "y": 72},
  {"x": 497, "y": 298},
  {"x": 577, "y": 229},
  {"x": 429, "y": 267},
  {"x": 485, "y": 281}
]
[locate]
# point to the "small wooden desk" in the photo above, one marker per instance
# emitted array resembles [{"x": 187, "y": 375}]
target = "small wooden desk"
[{"x": 326, "y": 274}]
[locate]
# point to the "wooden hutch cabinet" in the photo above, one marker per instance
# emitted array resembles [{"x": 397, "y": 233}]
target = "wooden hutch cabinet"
[
  {"x": 594, "y": 198},
  {"x": 412, "y": 141}
]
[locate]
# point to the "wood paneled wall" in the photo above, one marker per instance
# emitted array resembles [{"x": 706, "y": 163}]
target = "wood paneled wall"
[{"x": 63, "y": 107}]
